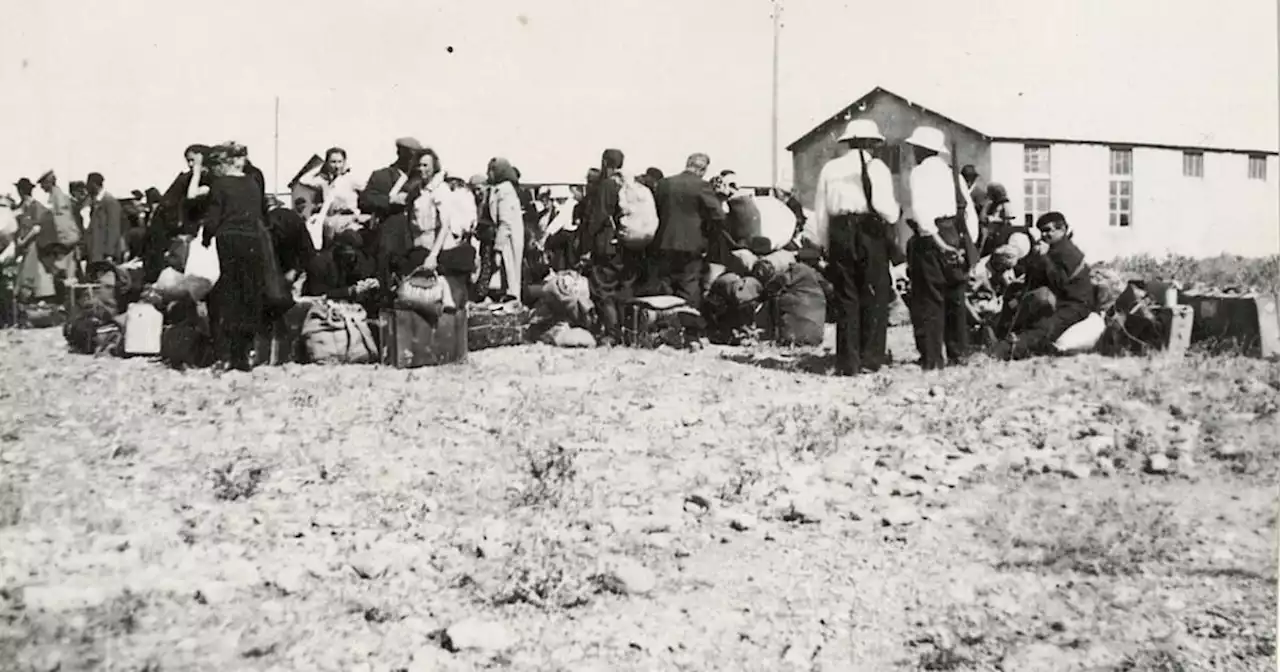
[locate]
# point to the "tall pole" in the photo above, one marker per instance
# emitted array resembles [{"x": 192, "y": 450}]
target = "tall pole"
[
  {"x": 275, "y": 176},
  {"x": 773, "y": 128}
]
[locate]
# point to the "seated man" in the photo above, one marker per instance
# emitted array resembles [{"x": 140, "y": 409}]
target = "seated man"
[
  {"x": 1058, "y": 292},
  {"x": 344, "y": 271}
]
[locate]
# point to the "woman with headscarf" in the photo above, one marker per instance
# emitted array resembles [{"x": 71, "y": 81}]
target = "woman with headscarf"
[
  {"x": 239, "y": 301},
  {"x": 503, "y": 206}
]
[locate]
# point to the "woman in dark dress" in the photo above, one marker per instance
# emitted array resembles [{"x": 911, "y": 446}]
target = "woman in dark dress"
[{"x": 238, "y": 302}]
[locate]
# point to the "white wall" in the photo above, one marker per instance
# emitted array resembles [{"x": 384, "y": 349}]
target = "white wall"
[{"x": 1223, "y": 211}]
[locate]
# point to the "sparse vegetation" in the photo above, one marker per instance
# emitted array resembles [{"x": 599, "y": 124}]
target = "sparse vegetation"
[{"x": 1259, "y": 273}]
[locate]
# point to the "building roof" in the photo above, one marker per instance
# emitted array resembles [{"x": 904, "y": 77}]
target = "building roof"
[
  {"x": 1059, "y": 117},
  {"x": 845, "y": 112}
]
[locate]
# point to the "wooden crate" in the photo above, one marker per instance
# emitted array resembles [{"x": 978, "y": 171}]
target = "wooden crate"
[
  {"x": 1248, "y": 323},
  {"x": 408, "y": 340}
]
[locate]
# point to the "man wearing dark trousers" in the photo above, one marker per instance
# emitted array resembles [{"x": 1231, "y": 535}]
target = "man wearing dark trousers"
[
  {"x": 940, "y": 254},
  {"x": 613, "y": 268},
  {"x": 854, "y": 209},
  {"x": 687, "y": 210}
]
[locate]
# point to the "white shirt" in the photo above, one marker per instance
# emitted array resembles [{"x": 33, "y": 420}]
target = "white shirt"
[
  {"x": 839, "y": 192},
  {"x": 344, "y": 189},
  {"x": 933, "y": 196}
]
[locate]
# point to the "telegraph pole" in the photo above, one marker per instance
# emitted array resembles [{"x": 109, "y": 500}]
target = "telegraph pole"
[
  {"x": 275, "y": 173},
  {"x": 773, "y": 127}
]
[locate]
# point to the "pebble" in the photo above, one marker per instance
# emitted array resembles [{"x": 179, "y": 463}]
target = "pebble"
[
  {"x": 628, "y": 577},
  {"x": 804, "y": 509},
  {"x": 1227, "y": 451},
  {"x": 1077, "y": 470},
  {"x": 899, "y": 515},
  {"x": 1158, "y": 464},
  {"x": 291, "y": 580},
  {"x": 742, "y": 521},
  {"x": 478, "y": 635}
]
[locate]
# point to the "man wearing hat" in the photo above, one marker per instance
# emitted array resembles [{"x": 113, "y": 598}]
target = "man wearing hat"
[
  {"x": 854, "y": 209},
  {"x": 105, "y": 230},
  {"x": 385, "y": 198},
  {"x": 58, "y": 244},
  {"x": 941, "y": 253}
]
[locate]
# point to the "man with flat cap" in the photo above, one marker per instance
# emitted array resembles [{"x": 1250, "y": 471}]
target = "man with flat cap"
[{"x": 385, "y": 199}]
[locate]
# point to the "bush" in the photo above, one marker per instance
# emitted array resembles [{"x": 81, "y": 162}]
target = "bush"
[{"x": 1225, "y": 270}]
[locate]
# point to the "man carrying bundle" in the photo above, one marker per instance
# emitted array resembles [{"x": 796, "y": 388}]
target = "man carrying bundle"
[{"x": 854, "y": 209}]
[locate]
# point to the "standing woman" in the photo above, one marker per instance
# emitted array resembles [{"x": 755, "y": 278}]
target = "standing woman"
[
  {"x": 504, "y": 208},
  {"x": 234, "y": 219}
]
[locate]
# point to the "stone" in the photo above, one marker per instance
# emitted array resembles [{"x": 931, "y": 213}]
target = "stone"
[
  {"x": 290, "y": 580},
  {"x": 1125, "y": 597},
  {"x": 697, "y": 503},
  {"x": 1158, "y": 464},
  {"x": 1077, "y": 470},
  {"x": 1100, "y": 445},
  {"x": 371, "y": 565},
  {"x": 899, "y": 515},
  {"x": 915, "y": 471},
  {"x": 804, "y": 509},
  {"x": 474, "y": 634},
  {"x": 742, "y": 521},
  {"x": 1227, "y": 451},
  {"x": 625, "y": 576}
]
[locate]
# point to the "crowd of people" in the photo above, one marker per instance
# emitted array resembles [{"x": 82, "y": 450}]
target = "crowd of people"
[{"x": 351, "y": 238}]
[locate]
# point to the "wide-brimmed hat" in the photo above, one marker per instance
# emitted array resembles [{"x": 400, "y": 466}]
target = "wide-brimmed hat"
[
  {"x": 560, "y": 191},
  {"x": 927, "y": 137},
  {"x": 45, "y": 175},
  {"x": 24, "y": 183},
  {"x": 862, "y": 129}
]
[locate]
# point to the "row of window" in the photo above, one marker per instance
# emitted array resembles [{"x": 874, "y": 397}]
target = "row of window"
[{"x": 1035, "y": 161}]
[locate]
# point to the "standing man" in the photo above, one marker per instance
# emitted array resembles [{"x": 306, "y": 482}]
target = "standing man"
[
  {"x": 385, "y": 198},
  {"x": 941, "y": 253},
  {"x": 687, "y": 210},
  {"x": 105, "y": 232},
  {"x": 58, "y": 244},
  {"x": 613, "y": 268},
  {"x": 854, "y": 211}
]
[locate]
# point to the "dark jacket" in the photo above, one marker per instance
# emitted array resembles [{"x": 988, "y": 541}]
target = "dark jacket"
[
  {"x": 105, "y": 232},
  {"x": 1064, "y": 272},
  {"x": 391, "y": 220},
  {"x": 687, "y": 208},
  {"x": 598, "y": 229}
]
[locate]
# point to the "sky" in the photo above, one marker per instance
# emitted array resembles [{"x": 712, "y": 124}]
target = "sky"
[{"x": 120, "y": 87}]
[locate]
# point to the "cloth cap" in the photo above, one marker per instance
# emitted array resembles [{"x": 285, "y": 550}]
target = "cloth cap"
[{"x": 409, "y": 142}]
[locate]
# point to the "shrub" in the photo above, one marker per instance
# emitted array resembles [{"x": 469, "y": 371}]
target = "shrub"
[{"x": 1226, "y": 270}]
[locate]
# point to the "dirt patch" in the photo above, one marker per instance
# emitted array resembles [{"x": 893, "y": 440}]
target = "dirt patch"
[{"x": 622, "y": 509}]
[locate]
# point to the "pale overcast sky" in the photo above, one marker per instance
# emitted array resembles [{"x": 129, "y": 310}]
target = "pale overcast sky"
[{"x": 122, "y": 86}]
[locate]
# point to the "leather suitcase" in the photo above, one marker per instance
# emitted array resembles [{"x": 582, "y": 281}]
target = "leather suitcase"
[
  {"x": 1249, "y": 323},
  {"x": 408, "y": 340}
]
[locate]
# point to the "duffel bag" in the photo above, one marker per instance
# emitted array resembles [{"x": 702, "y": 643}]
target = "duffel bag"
[{"x": 335, "y": 332}]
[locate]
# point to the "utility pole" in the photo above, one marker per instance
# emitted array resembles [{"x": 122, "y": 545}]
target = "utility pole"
[
  {"x": 773, "y": 128},
  {"x": 275, "y": 173}
]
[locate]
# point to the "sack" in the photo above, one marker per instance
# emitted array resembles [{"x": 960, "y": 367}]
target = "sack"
[
  {"x": 409, "y": 340},
  {"x": 778, "y": 223},
  {"x": 202, "y": 266},
  {"x": 334, "y": 332},
  {"x": 460, "y": 260},
  {"x": 801, "y": 307},
  {"x": 773, "y": 264},
  {"x": 1083, "y": 336},
  {"x": 638, "y": 219},
  {"x": 564, "y": 336},
  {"x": 93, "y": 332},
  {"x": 567, "y": 296},
  {"x": 186, "y": 344}
]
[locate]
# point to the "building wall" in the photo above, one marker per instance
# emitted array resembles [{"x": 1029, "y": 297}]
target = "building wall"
[
  {"x": 1223, "y": 211},
  {"x": 897, "y": 120}
]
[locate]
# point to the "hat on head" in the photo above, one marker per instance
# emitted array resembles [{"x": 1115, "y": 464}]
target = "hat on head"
[
  {"x": 927, "y": 137},
  {"x": 410, "y": 143},
  {"x": 861, "y": 129},
  {"x": 478, "y": 180},
  {"x": 45, "y": 175},
  {"x": 561, "y": 191},
  {"x": 24, "y": 183}
]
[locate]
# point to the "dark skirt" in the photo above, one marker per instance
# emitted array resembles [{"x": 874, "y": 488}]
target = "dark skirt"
[{"x": 238, "y": 302}]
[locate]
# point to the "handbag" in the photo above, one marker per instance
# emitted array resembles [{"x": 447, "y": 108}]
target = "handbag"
[
  {"x": 459, "y": 260},
  {"x": 428, "y": 295}
]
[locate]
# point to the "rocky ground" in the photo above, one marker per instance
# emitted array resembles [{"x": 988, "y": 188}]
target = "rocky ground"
[{"x": 543, "y": 509}]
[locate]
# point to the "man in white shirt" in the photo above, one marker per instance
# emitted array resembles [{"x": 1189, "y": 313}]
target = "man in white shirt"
[
  {"x": 854, "y": 210},
  {"x": 941, "y": 253}
]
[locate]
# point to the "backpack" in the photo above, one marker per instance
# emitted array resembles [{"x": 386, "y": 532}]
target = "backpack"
[
  {"x": 334, "y": 332},
  {"x": 638, "y": 215}
]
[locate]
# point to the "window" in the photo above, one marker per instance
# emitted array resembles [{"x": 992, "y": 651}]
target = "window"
[
  {"x": 1193, "y": 164},
  {"x": 1036, "y": 197},
  {"x": 1257, "y": 167},
  {"x": 1122, "y": 162},
  {"x": 1035, "y": 159},
  {"x": 1121, "y": 202}
]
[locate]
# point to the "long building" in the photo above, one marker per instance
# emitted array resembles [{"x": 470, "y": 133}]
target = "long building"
[{"x": 1121, "y": 197}]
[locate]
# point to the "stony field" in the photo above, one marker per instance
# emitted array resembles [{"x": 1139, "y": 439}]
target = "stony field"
[{"x": 543, "y": 509}]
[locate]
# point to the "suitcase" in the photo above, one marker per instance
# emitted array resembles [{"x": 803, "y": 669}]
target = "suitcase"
[
  {"x": 143, "y": 328},
  {"x": 1177, "y": 322},
  {"x": 408, "y": 340},
  {"x": 508, "y": 325},
  {"x": 1247, "y": 322},
  {"x": 653, "y": 321}
]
